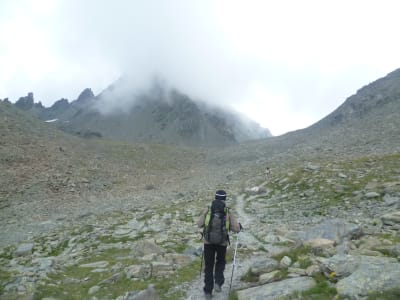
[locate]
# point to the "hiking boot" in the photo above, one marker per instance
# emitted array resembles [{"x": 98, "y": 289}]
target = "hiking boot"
[{"x": 217, "y": 288}]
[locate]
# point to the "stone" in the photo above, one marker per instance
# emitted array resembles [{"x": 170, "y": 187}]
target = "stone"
[
  {"x": 370, "y": 277},
  {"x": 277, "y": 290},
  {"x": 269, "y": 277},
  {"x": 339, "y": 266},
  {"x": 391, "y": 218},
  {"x": 145, "y": 247},
  {"x": 332, "y": 229},
  {"x": 138, "y": 271},
  {"x": 148, "y": 294},
  {"x": 320, "y": 243},
  {"x": 285, "y": 262},
  {"x": 391, "y": 201},
  {"x": 94, "y": 290},
  {"x": 24, "y": 250},
  {"x": 312, "y": 270},
  {"x": 97, "y": 264},
  {"x": 262, "y": 266},
  {"x": 160, "y": 269},
  {"x": 371, "y": 195}
]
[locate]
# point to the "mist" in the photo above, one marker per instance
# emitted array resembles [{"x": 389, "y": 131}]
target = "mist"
[{"x": 286, "y": 65}]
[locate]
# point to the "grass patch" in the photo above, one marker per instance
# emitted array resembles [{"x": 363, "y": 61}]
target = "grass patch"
[
  {"x": 7, "y": 253},
  {"x": 391, "y": 237},
  {"x": 386, "y": 295},
  {"x": 4, "y": 278},
  {"x": 57, "y": 250},
  {"x": 233, "y": 296},
  {"x": 109, "y": 239},
  {"x": 250, "y": 277},
  {"x": 299, "y": 254}
]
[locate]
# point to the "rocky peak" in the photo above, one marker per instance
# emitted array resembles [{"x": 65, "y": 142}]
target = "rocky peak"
[
  {"x": 60, "y": 104},
  {"x": 26, "y": 102},
  {"x": 85, "y": 95}
]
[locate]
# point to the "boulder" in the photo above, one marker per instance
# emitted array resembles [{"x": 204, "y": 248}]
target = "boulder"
[
  {"x": 138, "y": 271},
  {"x": 368, "y": 278},
  {"x": 278, "y": 289},
  {"x": 97, "y": 264},
  {"x": 332, "y": 229},
  {"x": 24, "y": 250},
  {"x": 339, "y": 266},
  {"x": 144, "y": 247},
  {"x": 371, "y": 195},
  {"x": 147, "y": 294},
  {"x": 391, "y": 218},
  {"x": 262, "y": 266}
]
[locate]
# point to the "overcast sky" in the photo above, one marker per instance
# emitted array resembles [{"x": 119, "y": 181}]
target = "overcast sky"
[{"x": 286, "y": 64}]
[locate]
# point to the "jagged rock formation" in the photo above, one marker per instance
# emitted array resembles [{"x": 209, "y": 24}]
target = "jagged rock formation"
[{"x": 157, "y": 116}]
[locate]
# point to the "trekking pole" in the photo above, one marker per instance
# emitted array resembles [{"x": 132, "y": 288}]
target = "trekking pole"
[
  {"x": 234, "y": 261},
  {"x": 201, "y": 264}
]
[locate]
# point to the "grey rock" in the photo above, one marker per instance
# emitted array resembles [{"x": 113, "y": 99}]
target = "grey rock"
[
  {"x": 160, "y": 269},
  {"x": 262, "y": 266},
  {"x": 94, "y": 290},
  {"x": 145, "y": 247},
  {"x": 332, "y": 229},
  {"x": 390, "y": 200},
  {"x": 379, "y": 277},
  {"x": 97, "y": 264},
  {"x": 371, "y": 195},
  {"x": 268, "y": 277},
  {"x": 138, "y": 271},
  {"x": 275, "y": 290},
  {"x": 285, "y": 262},
  {"x": 147, "y": 294},
  {"x": 339, "y": 265},
  {"x": 24, "y": 250},
  {"x": 391, "y": 218}
]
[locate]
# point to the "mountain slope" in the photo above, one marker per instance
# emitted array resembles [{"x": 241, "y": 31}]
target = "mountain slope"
[
  {"x": 381, "y": 97},
  {"x": 158, "y": 115}
]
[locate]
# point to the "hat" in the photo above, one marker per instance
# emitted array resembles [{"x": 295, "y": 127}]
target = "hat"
[{"x": 220, "y": 195}]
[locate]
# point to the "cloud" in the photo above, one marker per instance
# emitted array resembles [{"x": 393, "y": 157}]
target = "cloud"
[{"x": 296, "y": 60}]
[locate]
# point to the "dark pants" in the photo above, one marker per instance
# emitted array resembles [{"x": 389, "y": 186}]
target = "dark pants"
[{"x": 213, "y": 254}]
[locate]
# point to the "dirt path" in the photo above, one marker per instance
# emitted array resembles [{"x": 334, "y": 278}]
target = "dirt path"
[{"x": 244, "y": 239}]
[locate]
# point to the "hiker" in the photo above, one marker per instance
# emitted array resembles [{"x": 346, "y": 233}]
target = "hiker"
[
  {"x": 216, "y": 241},
  {"x": 267, "y": 173}
]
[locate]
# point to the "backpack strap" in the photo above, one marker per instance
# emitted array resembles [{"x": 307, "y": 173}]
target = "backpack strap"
[
  {"x": 227, "y": 222},
  {"x": 208, "y": 217}
]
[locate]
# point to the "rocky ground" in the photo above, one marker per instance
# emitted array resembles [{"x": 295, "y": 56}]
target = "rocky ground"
[{"x": 317, "y": 230}]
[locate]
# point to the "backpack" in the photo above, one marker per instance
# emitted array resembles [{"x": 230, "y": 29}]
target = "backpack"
[{"x": 216, "y": 224}]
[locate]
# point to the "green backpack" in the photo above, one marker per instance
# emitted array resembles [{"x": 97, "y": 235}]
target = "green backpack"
[{"x": 216, "y": 224}]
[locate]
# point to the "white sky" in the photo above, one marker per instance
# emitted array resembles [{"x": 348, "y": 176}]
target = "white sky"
[{"x": 286, "y": 64}]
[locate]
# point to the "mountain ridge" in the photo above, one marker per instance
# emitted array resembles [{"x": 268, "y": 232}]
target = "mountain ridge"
[{"x": 159, "y": 115}]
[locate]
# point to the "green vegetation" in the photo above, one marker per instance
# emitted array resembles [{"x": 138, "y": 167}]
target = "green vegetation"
[
  {"x": 299, "y": 254},
  {"x": 249, "y": 277},
  {"x": 7, "y": 253},
  {"x": 109, "y": 239},
  {"x": 233, "y": 296},
  {"x": 4, "y": 278},
  {"x": 57, "y": 250},
  {"x": 386, "y": 295}
]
